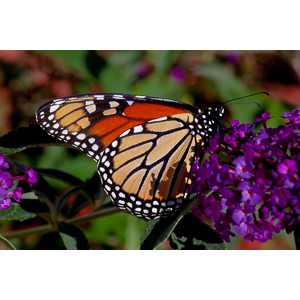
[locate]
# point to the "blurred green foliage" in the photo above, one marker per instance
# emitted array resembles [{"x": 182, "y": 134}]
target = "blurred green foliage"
[{"x": 202, "y": 78}]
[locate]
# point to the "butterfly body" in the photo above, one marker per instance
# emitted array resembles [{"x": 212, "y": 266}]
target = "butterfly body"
[{"x": 144, "y": 146}]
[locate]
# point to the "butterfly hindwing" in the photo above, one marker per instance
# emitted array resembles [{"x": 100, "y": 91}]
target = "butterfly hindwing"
[{"x": 146, "y": 170}]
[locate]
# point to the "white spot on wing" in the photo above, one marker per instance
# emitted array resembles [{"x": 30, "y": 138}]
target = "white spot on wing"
[
  {"x": 124, "y": 133},
  {"x": 138, "y": 129},
  {"x": 53, "y": 108},
  {"x": 91, "y": 108},
  {"x": 159, "y": 119},
  {"x": 80, "y": 136},
  {"x": 118, "y": 96},
  {"x": 95, "y": 147}
]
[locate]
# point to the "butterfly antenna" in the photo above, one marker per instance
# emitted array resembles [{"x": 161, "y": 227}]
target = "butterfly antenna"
[
  {"x": 227, "y": 121},
  {"x": 245, "y": 97},
  {"x": 244, "y": 103}
]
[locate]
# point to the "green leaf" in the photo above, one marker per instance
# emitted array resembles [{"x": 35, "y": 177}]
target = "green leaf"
[
  {"x": 192, "y": 234},
  {"x": 163, "y": 60},
  {"x": 59, "y": 175},
  {"x": 113, "y": 81},
  {"x": 92, "y": 187},
  {"x": 158, "y": 230},
  {"x": 226, "y": 83},
  {"x": 159, "y": 87},
  {"x": 26, "y": 137},
  {"x": 60, "y": 202},
  {"x": 72, "y": 236},
  {"x": 37, "y": 203},
  {"x": 31, "y": 195},
  {"x": 124, "y": 58},
  {"x": 75, "y": 59},
  {"x": 90, "y": 192},
  {"x": 16, "y": 212}
]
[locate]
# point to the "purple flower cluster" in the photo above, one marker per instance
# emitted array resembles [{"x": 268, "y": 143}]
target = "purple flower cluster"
[
  {"x": 177, "y": 74},
  {"x": 7, "y": 182},
  {"x": 256, "y": 189}
]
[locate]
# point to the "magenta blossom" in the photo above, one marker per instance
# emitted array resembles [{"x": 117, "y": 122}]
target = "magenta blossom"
[
  {"x": 6, "y": 184},
  {"x": 258, "y": 193}
]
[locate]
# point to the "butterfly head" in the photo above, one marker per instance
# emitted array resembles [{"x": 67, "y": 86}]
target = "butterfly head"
[{"x": 209, "y": 122}]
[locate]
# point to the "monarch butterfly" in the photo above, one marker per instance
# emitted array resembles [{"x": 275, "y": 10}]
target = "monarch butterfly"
[{"x": 144, "y": 146}]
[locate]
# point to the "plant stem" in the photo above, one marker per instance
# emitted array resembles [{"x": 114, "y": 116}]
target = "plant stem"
[
  {"x": 7, "y": 243},
  {"x": 94, "y": 215},
  {"x": 48, "y": 228}
]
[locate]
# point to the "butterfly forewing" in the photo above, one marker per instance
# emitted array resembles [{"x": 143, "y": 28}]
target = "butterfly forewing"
[{"x": 92, "y": 122}]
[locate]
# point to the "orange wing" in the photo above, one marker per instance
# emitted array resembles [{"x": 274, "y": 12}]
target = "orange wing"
[{"x": 92, "y": 122}]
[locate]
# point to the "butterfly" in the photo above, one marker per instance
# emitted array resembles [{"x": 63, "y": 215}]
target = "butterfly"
[{"x": 144, "y": 146}]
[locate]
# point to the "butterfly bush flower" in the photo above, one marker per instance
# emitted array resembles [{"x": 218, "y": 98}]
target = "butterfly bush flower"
[
  {"x": 256, "y": 193},
  {"x": 177, "y": 74},
  {"x": 7, "y": 182}
]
